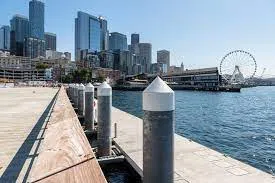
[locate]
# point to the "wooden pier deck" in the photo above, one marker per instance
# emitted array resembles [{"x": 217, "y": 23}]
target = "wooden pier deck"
[
  {"x": 41, "y": 139},
  {"x": 23, "y": 112},
  {"x": 194, "y": 163}
]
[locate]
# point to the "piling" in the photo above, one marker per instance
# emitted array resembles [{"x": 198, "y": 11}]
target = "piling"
[
  {"x": 89, "y": 107},
  {"x": 76, "y": 96},
  {"x": 81, "y": 100},
  {"x": 104, "y": 96},
  {"x": 158, "y": 133}
]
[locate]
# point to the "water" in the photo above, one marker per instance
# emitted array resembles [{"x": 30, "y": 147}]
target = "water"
[
  {"x": 120, "y": 172},
  {"x": 241, "y": 125}
]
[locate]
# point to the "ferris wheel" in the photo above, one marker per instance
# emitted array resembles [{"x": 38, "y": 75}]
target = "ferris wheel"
[{"x": 238, "y": 67}]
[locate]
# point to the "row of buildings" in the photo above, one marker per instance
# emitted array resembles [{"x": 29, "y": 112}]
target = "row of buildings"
[
  {"x": 25, "y": 36},
  {"x": 96, "y": 47}
]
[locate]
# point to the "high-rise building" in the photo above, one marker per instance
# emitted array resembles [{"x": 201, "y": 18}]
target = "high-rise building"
[
  {"x": 36, "y": 16},
  {"x": 134, "y": 39},
  {"x": 104, "y": 34},
  {"x": 19, "y": 31},
  {"x": 163, "y": 57},
  {"x": 34, "y": 48},
  {"x": 50, "y": 39},
  {"x": 35, "y": 45},
  {"x": 145, "y": 56},
  {"x": 91, "y": 34},
  {"x": 5, "y": 37},
  {"x": 118, "y": 41},
  {"x": 126, "y": 62}
]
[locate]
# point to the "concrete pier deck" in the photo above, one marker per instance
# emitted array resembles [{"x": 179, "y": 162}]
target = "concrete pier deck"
[
  {"x": 23, "y": 112},
  {"x": 194, "y": 163}
]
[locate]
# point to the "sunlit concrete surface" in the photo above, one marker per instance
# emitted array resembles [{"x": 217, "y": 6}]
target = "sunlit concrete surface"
[
  {"x": 194, "y": 163},
  {"x": 23, "y": 112}
]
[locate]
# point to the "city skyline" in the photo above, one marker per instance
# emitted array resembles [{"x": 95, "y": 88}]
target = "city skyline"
[{"x": 192, "y": 33}]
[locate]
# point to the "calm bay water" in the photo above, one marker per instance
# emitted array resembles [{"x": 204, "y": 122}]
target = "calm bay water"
[{"x": 241, "y": 125}]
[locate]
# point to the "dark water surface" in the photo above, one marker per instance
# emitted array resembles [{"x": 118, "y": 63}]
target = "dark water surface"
[{"x": 241, "y": 125}]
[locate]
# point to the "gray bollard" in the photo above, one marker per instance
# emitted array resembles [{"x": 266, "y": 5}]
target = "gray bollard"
[
  {"x": 81, "y": 100},
  {"x": 104, "y": 104},
  {"x": 70, "y": 91},
  {"x": 76, "y": 96},
  {"x": 89, "y": 107},
  {"x": 158, "y": 133}
]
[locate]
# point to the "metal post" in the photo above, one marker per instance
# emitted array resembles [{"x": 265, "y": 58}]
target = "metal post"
[
  {"x": 89, "y": 107},
  {"x": 104, "y": 96},
  {"x": 81, "y": 99},
  {"x": 76, "y": 96},
  {"x": 158, "y": 133}
]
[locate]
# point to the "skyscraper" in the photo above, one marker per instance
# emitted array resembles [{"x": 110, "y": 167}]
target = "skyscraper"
[
  {"x": 19, "y": 31},
  {"x": 91, "y": 33},
  {"x": 87, "y": 34},
  {"x": 34, "y": 45},
  {"x": 104, "y": 34},
  {"x": 5, "y": 37},
  {"x": 145, "y": 56},
  {"x": 163, "y": 57},
  {"x": 50, "y": 39},
  {"x": 36, "y": 16},
  {"x": 118, "y": 41},
  {"x": 134, "y": 39}
]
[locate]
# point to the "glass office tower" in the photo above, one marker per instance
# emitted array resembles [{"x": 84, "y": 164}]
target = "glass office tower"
[
  {"x": 50, "y": 39},
  {"x": 118, "y": 41},
  {"x": 90, "y": 34},
  {"x": 36, "y": 16},
  {"x": 19, "y": 31},
  {"x": 5, "y": 38}
]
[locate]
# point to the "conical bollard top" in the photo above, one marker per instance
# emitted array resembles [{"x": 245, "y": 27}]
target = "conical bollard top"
[
  {"x": 89, "y": 87},
  {"x": 104, "y": 89},
  {"x": 158, "y": 96}
]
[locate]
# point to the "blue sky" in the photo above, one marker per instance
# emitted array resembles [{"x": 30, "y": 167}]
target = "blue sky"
[{"x": 198, "y": 33}]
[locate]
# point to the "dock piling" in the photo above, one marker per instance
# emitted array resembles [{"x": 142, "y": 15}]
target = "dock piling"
[
  {"x": 81, "y": 100},
  {"x": 104, "y": 96},
  {"x": 76, "y": 96},
  {"x": 158, "y": 133},
  {"x": 89, "y": 107}
]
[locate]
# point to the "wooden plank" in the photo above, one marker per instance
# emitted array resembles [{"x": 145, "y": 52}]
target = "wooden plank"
[{"x": 66, "y": 155}]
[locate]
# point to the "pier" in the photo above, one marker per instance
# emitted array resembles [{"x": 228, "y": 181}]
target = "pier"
[{"x": 42, "y": 140}]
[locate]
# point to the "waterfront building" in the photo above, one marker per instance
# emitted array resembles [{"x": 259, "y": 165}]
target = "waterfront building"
[
  {"x": 145, "y": 56},
  {"x": 117, "y": 41},
  {"x": 91, "y": 34},
  {"x": 36, "y": 16},
  {"x": 19, "y": 31},
  {"x": 110, "y": 74},
  {"x": 134, "y": 39},
  {"x": 10, "y": 61},
  {"x": 107, "y": 59},
  {"x": 174, "y": 69},
  {"x": 23, "y": 74},
  {"x": 34, "y": 47},
  {"x": 206, "y": 77},
  {"x": 126, "y": 62},
  {"x": 163, "y": 57},
  {"x": 90, "y": 61},
  {"x": 5, "y": 37},
  {"x": 50, "y": 39}
]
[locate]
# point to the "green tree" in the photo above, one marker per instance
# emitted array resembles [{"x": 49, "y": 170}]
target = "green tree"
[{"x": 41, "y": 66}]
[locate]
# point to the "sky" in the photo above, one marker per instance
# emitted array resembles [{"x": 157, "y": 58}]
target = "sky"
[{"x": 198, "y": 33}]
